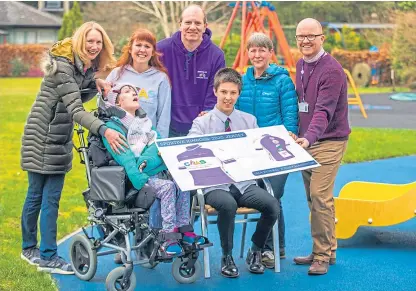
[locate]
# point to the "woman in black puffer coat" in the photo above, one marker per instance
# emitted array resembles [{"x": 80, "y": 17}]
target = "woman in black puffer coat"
[{"x": 46, "y": 153}]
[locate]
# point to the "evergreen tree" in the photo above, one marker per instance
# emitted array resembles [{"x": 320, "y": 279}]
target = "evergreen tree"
[{"x": 71, "y": 21}]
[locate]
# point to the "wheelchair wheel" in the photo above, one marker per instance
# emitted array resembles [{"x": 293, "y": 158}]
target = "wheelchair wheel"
[
  {"x": 184, "y": 275},
  {"x": 114, "y": 278},
  {"x": 83, "y": 257}
]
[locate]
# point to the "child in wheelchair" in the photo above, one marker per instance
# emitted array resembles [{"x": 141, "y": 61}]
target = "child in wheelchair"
[
  {"x": 143, "y": 165},
  {"x": 119, "y": 206}
]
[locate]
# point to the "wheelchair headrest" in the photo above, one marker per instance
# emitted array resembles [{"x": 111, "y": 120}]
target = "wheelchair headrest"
[{"x": 107, "y": 110}]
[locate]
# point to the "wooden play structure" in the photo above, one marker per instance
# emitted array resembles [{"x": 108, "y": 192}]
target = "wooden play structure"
[
  {"x": 373, "y": 204},
  {"x": 254, "y": 16}
]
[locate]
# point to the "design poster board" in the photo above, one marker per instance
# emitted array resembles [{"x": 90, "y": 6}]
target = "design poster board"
[{"x": 203, "y": 161}]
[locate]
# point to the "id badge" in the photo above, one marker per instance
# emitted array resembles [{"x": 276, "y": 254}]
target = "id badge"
[{"x": 303, "y": 107}]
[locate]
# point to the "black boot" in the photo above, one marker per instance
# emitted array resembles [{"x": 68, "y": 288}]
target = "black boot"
[
  {"x": 228, "y": 267},
  {"x": 253, "y": 262}
]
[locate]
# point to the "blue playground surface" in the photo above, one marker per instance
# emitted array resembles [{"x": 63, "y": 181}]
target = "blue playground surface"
[{"x": 373, "y": 259}]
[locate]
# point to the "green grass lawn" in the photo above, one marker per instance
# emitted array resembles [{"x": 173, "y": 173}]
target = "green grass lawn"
[{"x": 16, "y": 98}]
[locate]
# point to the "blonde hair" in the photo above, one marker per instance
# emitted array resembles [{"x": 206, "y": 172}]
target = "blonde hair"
[{"x": 105, "y": 60}]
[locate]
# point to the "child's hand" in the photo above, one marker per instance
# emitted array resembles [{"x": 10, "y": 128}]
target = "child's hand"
[{"x": 142, "y": 166}]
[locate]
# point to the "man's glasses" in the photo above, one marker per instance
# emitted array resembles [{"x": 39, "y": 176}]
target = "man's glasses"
[{"x": 310, "y": 37}]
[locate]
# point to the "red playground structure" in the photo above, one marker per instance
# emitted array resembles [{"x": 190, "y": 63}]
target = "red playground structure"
[{"x": 253, "y": 18}]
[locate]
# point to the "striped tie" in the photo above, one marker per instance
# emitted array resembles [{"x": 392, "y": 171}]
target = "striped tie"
[{"x": 227, "y": 125}]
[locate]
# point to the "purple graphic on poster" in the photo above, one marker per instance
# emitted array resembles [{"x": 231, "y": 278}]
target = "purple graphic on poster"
[
  {"x": 276, "y": 147},
  {"x": 200, "y": 162},
  {"x": 206, "y": 168}
]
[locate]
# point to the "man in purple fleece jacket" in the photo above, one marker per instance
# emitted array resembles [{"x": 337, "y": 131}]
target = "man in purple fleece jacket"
[
  {"x": 192, "y": 60},
  {"x": 321, "y": 85}
]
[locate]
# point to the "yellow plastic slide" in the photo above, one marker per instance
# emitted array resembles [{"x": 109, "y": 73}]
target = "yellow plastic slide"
[{"x": 373, "y": 204}]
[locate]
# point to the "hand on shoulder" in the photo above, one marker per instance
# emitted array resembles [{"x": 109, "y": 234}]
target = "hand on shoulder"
[{"x": 202, "y": 113}]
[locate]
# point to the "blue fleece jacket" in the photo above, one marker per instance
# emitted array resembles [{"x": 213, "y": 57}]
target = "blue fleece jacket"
[
  {"x": 192, "y": 77},
  {"x": 154, "y": 163},
  {"x": 271, "y": 98}
]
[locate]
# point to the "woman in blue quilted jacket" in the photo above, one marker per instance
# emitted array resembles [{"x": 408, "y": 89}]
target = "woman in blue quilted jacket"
[{"x": 269, "y": 94}]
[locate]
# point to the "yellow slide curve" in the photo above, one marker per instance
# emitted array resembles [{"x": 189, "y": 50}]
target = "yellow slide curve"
[{"x": 373, "y": 204}]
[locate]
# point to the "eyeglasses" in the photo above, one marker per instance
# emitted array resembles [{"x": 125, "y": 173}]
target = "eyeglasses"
[{"x": 310, "y": 37}]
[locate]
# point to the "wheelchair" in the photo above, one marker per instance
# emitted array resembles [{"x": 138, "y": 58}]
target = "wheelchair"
[{"x": 119, "y": 219}]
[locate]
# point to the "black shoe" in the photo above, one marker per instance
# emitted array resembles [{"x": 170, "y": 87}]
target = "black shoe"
[
  {"x": 228, "y": 267},
  {"x": 253, "y": 262}
]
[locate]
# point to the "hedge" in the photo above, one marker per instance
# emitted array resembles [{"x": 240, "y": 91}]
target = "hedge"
[{"x": 23, "y": 58}]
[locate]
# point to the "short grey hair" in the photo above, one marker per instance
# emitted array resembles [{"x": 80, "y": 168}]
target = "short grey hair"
[
  {"x": 228, "y": 75},
  {"x": 259, "y": 39}
]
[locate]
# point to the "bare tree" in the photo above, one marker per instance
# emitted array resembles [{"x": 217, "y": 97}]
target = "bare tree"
[
  {"x": 168, "y": 13},
  {"x": 117, "y": 17}
]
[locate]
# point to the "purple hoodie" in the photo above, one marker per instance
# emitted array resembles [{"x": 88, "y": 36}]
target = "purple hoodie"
[{"x": 192, "y": 77}]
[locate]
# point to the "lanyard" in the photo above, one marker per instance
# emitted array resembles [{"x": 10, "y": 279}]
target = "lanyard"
[{"x": 302, "y": 72}]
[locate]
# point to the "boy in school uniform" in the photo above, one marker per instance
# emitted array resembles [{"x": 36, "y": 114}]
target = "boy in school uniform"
[{"x": 228, "y": 197}]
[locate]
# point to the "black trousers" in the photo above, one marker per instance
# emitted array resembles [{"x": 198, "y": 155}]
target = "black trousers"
[
  {"x": 278, "y": 184},
  {"x": 226, "y": 203}
]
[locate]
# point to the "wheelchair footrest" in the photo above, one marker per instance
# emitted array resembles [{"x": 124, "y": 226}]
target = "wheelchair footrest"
[
  {"x": 189, "y": 248},
  {"x": 186, "y": 228},
  {"x": 208, "y": 244},
  {"x": 169, "y": 236}
]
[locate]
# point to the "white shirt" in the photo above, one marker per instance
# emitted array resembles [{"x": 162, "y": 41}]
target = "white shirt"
[{"x": 214, "y": 122}]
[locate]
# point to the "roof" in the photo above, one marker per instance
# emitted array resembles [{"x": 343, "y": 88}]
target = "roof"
[
  {"x": 17, "y": 14},
  {"x": 360, "y": 25}
]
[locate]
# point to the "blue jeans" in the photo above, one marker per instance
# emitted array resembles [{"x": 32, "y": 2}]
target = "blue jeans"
[
  {"x": 43, "y": 196},
  {"x": 278, "y": 185}
]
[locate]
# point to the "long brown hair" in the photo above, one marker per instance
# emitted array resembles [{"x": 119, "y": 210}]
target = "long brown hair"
[{"x": 140, "y": 34}]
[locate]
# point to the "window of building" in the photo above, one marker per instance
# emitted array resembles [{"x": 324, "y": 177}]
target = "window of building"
[
  {"x": 53, "y": 5},
  {"x": 31, "y": 37},
  {"x": 47, "y": 36},
  {"x": 19, "y": 37}
]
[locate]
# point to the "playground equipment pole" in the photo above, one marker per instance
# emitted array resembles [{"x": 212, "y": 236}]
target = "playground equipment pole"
[
  {"x": 230, "y": 24},
  {"x": 243, "y": 36}
]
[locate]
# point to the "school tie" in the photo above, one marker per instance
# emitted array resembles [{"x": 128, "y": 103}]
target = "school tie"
[{"x": 227, "y": 125}]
